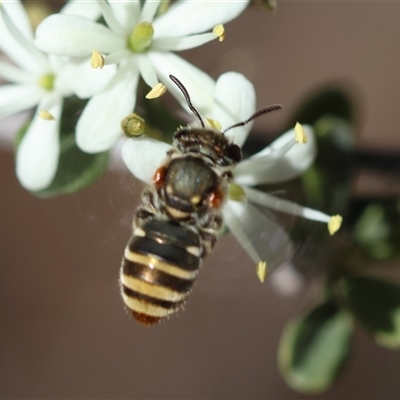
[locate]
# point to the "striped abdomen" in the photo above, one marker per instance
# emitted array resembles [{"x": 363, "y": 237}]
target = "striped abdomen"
[{"x": 161, "y": 262}]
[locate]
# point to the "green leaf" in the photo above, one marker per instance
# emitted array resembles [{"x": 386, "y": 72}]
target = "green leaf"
[
  {"x": 377, "y": 229},
  {"x": 76, "y": 169},
  {"x": 375, "y": 303},
  {"x": 313, "y": 349}
]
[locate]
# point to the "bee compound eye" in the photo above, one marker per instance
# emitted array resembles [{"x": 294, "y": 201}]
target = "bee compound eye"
[{"x": 235, "y": 152}]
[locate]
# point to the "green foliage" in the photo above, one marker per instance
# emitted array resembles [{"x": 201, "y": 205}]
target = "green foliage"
[
  {"x": 313, "y": 349},
  {"x": 375, "y": 303}
]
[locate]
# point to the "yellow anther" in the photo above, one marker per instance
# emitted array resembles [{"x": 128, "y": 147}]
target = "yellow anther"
[
  {"x": 97, "y": 60},
  {"x": 219, "y": 31},
  {"x": 133, "y": 125},
  {"x": 214, "y": 124},
  {"x": 158, "y": 90},
  {"x": 334, "y": 224},
  {"x": 261, "y": 270},
  {"x": 300, "y": 133},
  {"x": 236, "y": 192},
  {"x": 44, "y": 114}
]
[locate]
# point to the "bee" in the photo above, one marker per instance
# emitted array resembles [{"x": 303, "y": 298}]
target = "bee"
[{"x": 177, "y": 224}]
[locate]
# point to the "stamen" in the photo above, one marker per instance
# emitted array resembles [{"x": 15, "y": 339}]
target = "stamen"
[
  {"x": 219, "y": 31},
  {"x": 158, "y": 90},
  {"x": 214, "y": 124},
  {"x": 97, "y": 60},
  {"x": 301, "y": 135},
  {"x": 44, "y": 114},
  {"x": 261, "y": 270},
  {"x": 133, "y": 125},
  {"x": 141, "y": 37},
  {"x": 334, "y": 224}
]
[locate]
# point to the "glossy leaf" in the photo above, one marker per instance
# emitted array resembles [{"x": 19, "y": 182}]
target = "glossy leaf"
[
  {"x": 375, "y": 303},
  {"x": 76, "y": 169},
  {"x": 377, "y": 229},
  {"x": 313, "y": 349}
]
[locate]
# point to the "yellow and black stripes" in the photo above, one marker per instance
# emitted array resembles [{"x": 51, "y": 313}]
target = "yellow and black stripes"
[{"x": 160, "y": 265}]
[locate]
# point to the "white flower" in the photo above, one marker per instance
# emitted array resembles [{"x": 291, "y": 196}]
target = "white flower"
[
  {"x": 142, "y": 44},
  {"x": 286, "y": 158},
  {"x": 37, "y": 80}
]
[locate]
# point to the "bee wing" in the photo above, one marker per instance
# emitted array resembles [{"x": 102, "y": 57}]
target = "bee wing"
[{"x": 262, "y": 238}]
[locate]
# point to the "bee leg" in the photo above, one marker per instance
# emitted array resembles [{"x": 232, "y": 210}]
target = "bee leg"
[{"x": 208, "y": 233}]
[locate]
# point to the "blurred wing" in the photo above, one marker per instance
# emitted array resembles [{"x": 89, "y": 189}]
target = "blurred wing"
[{"x": 262, "y": 238}]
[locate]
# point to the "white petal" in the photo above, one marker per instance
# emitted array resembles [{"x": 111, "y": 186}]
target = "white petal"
[
  {"x": 147, "y": 70},
  {"x": 264, "y": 168},
  {"x": 127, "y": 13},
  {"x": 19, "y": 16},
  {"x": 18, "y": 47},
  {"x": 74, "y": 36},
  {"x": 13, "y": 74},
  {"x": 235, "y": 101},
  {"x": 80, "y": 78},
  {"x": 189, "y": 17},
  {"x": 143, "y": 156},
  {"x": 87, "y": 9},
  {"x": 99, "y": 126},
  {"x": 263, "y": 239},
  {"x": 199, "y": 85},
  {"x": 15, "y": 98},
  {"x": 182, "y": 43},
  {"x": 149, "y": 10},
  {"x": 110, "y": 17},
  {"x": 37, "y": 155}
]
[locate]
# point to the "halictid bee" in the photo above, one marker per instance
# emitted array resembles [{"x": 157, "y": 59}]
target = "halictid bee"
[{"x": 176, "y": 225}]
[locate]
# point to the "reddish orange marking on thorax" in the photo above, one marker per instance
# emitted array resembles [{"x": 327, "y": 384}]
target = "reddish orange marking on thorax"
[{"x": 159, "y": 177}]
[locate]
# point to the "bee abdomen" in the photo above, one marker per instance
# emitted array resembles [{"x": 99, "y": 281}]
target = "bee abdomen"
[{"x": 160, "y": 265}]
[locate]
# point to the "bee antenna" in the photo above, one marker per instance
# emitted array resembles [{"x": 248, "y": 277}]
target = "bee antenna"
[
  {"x": 187, "y": 98},
  {"x": 263, "y": 111}
]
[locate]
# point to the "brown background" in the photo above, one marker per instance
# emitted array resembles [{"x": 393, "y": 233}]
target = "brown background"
[{"x": 63, "y": 330}]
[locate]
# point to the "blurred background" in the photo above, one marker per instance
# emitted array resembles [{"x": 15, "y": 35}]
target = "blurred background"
[{"x": 64, "y": 332}]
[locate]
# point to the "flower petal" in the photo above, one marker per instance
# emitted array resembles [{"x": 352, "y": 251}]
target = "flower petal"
[
  {"x": 189, "y": 17},
  {"x": 110, "y": 17},
  {"x": 264, "y": 168},
  {"x": 143, "y": 156},
  {"x": 15, "y": 98},
  {"x": 263, "y": 239},
  {"x": 38, "y": 152},
  {"x": 149, "y": 10},
  {"x": 75, "y": 36},
  {"x": 127, "y": 13},
  {"x": 20, "y": 17},
  {"x": 199, "y": 85},
  {"x": 182, "y": 43},
  {"x": 79, "y": 77},
  {"x": 87, "y": 9},
  {"x": 99, "y": 126},
  {"x": 17, "y": 46},
  {"x": 13, "y": 74},
  {"x": 235, "y": 101}
]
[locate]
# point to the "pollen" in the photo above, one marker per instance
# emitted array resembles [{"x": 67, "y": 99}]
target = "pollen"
[
  {"x": 158, "y": 90},
  {"x": 97, "y": 60},
  {"x": 334, "y": 224},
  {"x": 133, "y": 125},
  {"x": 261, "y": 270},
  {"x": 300, "y": 133},
  {"x": 214, "y": 124},
  {"x": 219, "y": 31},
  {"x": 44, "y": 114}
]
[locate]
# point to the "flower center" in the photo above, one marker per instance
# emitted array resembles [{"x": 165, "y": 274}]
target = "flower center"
[
  {"x": 141, "y": 37},
  {"x": 47, "y": 81}
]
